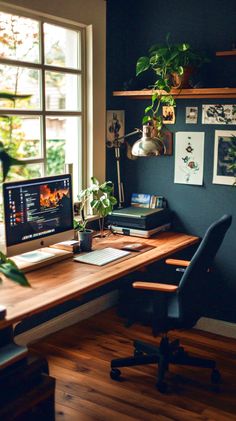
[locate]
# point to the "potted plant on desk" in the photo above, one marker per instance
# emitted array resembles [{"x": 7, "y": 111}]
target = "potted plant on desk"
[
  {"x": 100, "y": 198},
  {"x": 103, "y": 200}
]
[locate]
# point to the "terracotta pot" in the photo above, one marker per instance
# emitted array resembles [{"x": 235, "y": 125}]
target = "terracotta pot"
[{"x": 182, "y": 81}]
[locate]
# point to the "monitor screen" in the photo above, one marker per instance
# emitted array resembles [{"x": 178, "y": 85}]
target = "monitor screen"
[{"x": 37, "y": 212}]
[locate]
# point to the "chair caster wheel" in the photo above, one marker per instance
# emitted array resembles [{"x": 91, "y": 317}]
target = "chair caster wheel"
[
  {"x": 162, "y": 387},
  {"x": 138, "y": 353},
  {"x": 115, "y": 374},
  {"x": 215, "y": 376}
]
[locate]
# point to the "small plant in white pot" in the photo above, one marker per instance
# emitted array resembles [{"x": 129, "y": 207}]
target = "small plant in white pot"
[
  {"x": 100, "y": 198},
  {"x": 103, "y": 200}
]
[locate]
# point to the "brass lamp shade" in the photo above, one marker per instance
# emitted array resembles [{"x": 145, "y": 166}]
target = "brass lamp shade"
[{"x": 147, "y": 145}]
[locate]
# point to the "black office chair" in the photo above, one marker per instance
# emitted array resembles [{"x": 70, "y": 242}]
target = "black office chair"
[{"x": 180, "y": 307}]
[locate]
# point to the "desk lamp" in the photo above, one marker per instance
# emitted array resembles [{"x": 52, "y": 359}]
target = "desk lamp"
[{"x": 145, "y": 146}]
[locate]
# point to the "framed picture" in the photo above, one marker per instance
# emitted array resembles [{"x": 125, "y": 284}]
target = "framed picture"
[
  {"x": 191, "y": 115},
  {"x": 224, "y": 141},
  {"x": 168, "y": 114},
  {"x": 219, "y": 114},
  {"x": 189, "y": 156},
  {"x": 115, "y": 126}
]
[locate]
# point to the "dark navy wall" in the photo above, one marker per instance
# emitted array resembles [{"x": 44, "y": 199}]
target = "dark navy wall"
[{"x": 133, "y": 26}]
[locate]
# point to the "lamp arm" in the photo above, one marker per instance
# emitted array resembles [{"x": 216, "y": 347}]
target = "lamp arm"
[{"x": 129, "y": 134}]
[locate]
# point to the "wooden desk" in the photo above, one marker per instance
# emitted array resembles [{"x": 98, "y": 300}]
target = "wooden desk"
[
  {"x": 63, "y": 281},
  {"x": 56, "y": 284}
]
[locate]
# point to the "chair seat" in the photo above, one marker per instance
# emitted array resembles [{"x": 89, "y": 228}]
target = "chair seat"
[{"x": 169, "y": 309}]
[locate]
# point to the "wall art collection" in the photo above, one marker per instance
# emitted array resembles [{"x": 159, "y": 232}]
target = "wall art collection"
[{"x": 189, "y": 146}]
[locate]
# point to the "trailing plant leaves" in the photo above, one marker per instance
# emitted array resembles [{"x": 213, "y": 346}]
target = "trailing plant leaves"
[
  {"x": 146, "y": 119},
  {"x": 148, "y": 109},
  {"x": 142, "y": 65},
  {"x": 168, "y": 100}
]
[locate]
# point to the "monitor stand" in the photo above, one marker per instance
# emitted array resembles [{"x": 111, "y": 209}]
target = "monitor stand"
[{"x": 38, "y": 258}]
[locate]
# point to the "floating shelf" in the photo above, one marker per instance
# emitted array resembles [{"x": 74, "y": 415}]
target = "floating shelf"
[
  {"x": 226, "y": 53},
  {"x": 182, "y": 93}
]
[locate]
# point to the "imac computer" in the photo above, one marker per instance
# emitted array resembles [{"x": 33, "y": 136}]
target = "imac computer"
[{"x": 37, "y": 213}]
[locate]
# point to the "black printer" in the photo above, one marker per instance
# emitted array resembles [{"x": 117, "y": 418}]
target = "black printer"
[{"x": 140, "y": 218}]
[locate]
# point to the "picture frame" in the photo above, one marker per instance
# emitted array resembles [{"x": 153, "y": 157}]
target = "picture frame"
[
  {"x": 221, "y": 172},
  {"x": 219, "y": 114},
  {"x": 168, "y": 114},
  {"x": 115, "y": 126},
  {"x": 189, "y": 158}
]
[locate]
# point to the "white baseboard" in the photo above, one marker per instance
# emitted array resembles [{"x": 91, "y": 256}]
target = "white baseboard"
[
  {"x": 68, "y": 319},
  {"x": 100, "y": 304},
  {"x": 219, "y": 327}
]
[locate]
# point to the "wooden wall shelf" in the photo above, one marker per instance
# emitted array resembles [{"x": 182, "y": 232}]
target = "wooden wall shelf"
[
  {"x": 200, "y": 93},
  {"x": 226, "y": 53}
]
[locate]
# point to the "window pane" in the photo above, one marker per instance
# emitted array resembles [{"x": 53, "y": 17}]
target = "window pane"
[
  {"x": 20, "y": 81},
  {"x": 20, "y": 173},
  {"x": 63, "y": 91},
  {"x": 64, "y": 146},
  {"x": 19, "y": 38},
  {"x": 61, "y": 46},
  {"x": 21, "y": 135}
]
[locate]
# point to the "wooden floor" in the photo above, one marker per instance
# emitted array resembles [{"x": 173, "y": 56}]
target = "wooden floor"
[{"x": 79, "y": 359}]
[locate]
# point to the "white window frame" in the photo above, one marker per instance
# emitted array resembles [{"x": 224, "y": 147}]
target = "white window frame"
[{"x": 92, "y": 17}]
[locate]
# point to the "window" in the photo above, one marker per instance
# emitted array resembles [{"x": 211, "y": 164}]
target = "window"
[{"x": 41, "y": 95}]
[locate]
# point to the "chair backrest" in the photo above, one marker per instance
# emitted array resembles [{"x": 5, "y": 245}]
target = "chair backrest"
[{"x": 193, "y": 287}]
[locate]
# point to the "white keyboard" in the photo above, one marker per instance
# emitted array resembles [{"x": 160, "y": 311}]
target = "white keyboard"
[{"x": 102, "y": 257}]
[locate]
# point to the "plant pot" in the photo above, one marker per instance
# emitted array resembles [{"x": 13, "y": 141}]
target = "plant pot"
[
  {"x": 85, "y": 238},
  {"x": 182, "y": 81}
]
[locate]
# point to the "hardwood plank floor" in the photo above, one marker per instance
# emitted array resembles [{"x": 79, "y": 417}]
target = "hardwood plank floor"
[{"x": 79, "y": 358}]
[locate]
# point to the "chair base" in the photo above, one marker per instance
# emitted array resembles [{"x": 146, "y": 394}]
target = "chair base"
[{"x": 167, "y": 353}]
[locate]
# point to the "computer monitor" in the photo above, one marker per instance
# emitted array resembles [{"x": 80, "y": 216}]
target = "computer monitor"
[{"x": 37, "y": 213}]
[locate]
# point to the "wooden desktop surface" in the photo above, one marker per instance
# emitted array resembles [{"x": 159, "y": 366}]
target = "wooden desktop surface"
[{"x": 60, "y": 282}]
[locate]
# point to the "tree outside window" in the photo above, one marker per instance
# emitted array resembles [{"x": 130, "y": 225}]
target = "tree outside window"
[{"x": 40, "y": 95}]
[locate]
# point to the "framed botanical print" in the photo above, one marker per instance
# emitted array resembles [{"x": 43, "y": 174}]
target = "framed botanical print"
[
  {"x": 224, "y": 172},
  {"x": 189, "y": 158}
]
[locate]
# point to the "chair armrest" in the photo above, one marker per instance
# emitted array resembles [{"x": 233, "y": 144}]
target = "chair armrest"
[
  {"x": 176, "y": 262},
  {"x": 152, "y": 286}
]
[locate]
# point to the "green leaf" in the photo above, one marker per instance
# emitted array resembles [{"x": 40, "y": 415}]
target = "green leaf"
[
  {"x": 148, "y": 109},
  {"x": 113, "y": 200},
  {"x": 142, "y": 65},
  {"x": 146, "y": 119},
  {"x": 7, "y": 161},
  {"x": 94, "y": 203},
  {"x": 10, "y": 270},
  {"x": 183, "y": 47},
  {"x": 162, "y": 85},
  {"x": 95, "y": 181},
  {"x": 14, "y": 97},
  {"x": 154, "y": 59},
  {"x": 168, "y": 100},
  {"x": 154, "y": 98},
  {"x": 180, "y": 70}
]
